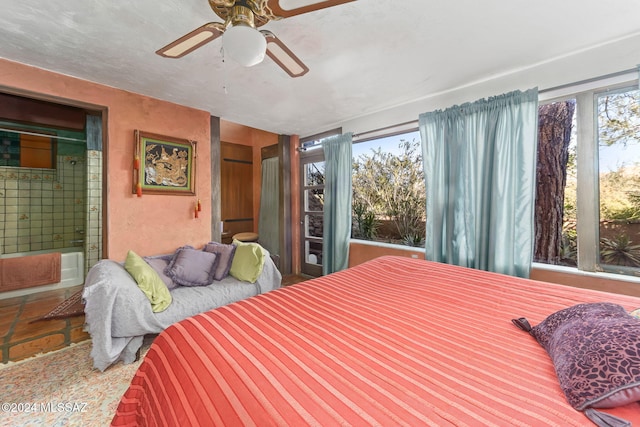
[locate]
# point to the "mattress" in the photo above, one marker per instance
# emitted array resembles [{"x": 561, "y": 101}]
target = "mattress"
[{"x": 394, "y": 341}]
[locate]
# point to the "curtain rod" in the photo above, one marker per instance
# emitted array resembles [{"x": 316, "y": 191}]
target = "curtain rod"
[
  {"x": 591, "y": 80},
  {"x": 551, "y": 89},
  {"x": 399, "y": 125},
  {"x": 24, "y": 132}
]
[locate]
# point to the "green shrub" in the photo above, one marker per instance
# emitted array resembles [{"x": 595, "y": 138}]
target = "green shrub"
[{"x": 620, "y": 251}]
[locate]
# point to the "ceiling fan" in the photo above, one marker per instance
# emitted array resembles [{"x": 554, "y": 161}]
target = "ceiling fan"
[{"x": 241, "y": 40}]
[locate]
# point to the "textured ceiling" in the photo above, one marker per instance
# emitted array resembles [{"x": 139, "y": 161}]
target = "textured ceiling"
[{"x": 365, "y": 56}]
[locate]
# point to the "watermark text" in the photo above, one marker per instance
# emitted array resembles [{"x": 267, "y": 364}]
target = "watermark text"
[{"x": 26, "y": 407}]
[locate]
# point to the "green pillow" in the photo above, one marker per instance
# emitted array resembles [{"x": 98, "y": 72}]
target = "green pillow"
[
  {"x": 248, "y": 261},
  {"x": 148, "y": 281}
]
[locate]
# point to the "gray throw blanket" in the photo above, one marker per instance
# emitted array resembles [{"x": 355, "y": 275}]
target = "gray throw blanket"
[{"x": 118, "y": 314}]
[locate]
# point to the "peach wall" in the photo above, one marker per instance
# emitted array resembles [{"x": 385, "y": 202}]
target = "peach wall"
[
  {"x": 362, "y": 252},
  {"x": 244, "y": 135},
  {"x": 151, "y": 224},
  {"x": 584, "y": 280}
]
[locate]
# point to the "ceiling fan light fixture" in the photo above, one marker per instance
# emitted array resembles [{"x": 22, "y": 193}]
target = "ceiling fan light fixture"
[{"x": 244, "y": 44}]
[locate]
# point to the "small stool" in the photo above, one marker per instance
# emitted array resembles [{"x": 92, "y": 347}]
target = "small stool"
[{"x": 246, "y": 237}]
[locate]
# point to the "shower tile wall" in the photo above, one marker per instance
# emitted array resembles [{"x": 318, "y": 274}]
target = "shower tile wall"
[
  {"x": 93, "y": 252},
  {"x": 43, "y": 208}
]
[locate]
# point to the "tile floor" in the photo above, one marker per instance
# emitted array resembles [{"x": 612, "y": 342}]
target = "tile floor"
[
  {"x": 19, "y": 338},
  {"x": 292, "y": 279}
]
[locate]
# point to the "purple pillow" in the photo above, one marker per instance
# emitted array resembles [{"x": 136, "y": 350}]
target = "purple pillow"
[
  {"x": 595, "y": 349},
  {"x": 159, "y": 264},
  {"x": 225, "y": 255},
  {"x": 190, "y": 267}
]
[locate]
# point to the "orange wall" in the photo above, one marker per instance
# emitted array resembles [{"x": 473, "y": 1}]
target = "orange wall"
[
  {"x": 362, "y": 252},
  {"x": 582, "y": 280},
  {"x": 244, "y": 135},
  {"x": 152, "y": 224}
]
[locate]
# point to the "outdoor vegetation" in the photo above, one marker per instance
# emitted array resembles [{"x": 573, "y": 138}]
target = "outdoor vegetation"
[
  {"x": 619, "y": 118},
  {"x": 389, "y": 192},
  {"x": 389, "y": 196},
  {"x": 619, "y": 184}
]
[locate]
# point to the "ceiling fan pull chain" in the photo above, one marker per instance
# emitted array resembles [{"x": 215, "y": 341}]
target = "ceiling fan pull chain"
[{"x": 224, "y": 72}]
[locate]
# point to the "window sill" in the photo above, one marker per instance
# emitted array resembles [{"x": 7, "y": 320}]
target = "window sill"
[
  {"x": 364, "y": 250},
  {"x": 591, "y": 274},
  {"x": 387, "y": 245}
]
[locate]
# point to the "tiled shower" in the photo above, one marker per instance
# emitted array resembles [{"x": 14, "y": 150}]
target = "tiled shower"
[{"x": 45, "y": 209}]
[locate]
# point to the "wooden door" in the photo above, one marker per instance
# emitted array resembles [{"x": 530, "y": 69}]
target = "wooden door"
[{"x": 236, "y": 189}]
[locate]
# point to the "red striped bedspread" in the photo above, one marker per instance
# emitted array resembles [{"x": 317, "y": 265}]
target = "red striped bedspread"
[{"x": 394, "y": 341}]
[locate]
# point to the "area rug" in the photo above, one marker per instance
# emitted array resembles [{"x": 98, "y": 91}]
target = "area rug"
[
  {"x": 72, "y": 306},
  {"x": 62, "y": 389}
]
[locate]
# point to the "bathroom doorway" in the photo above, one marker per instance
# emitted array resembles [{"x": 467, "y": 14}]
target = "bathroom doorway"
[{"x": 50, "y": 179}]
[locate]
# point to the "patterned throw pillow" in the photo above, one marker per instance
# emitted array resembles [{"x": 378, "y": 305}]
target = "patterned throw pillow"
[{"x": 595, "y": 349}]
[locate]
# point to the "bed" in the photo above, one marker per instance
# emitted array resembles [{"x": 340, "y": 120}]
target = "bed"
[{"x": 394, "y": 341}]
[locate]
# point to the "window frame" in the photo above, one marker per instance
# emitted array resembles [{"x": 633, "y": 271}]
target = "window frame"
[
  {"x": 587, "y": 170},
  {"x": 586, "y": 94},
  {"x": 399, "y": 130},
  {"x": 310, "y": 152}
]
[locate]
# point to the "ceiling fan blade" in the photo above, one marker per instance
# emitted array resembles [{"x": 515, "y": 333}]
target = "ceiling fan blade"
[
  {"x": 287, "y": 8},
  {"x": 191, "y": 41},
  {"x": 283, "y": 56}
]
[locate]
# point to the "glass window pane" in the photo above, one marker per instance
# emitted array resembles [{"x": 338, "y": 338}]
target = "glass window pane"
[
  {"x": 619, "y": 176},
  {"x": 313, "y": 252},
  {"x": 313, "y": 225},
  {"x": 389, "y": 196},
  {"x": 555, "y": 210},
  {"x": 27, "y": 151},
  {"x": 314, "y": 200},
  {"x": 314, "y": 174},
  {"x": 312, "y": 206},
  {"x": 569, "y": 245}
]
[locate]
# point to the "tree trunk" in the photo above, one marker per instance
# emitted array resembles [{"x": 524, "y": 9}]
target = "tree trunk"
[{"x": 554, "y": 134}]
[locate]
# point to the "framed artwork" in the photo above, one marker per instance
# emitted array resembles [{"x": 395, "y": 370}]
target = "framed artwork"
[{"x": 163, "y": 165}]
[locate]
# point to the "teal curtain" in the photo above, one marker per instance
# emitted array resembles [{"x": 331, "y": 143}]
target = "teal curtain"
[
  {"x": 337, "y": 203},
  {"x": 480, "y": 163},
  {"x": 269, "y": 220}
]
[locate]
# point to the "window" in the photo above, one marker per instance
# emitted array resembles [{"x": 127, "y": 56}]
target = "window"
[
  {"x": 313, "y": 199},
  {"x": 588, "y": 183},
  {"x": 312, "y": 203},
  {"x": 388, "y": 190},
  {"x": 26, "y": 150},
  {"x": 36, "y": 152},
  {"x": 618, "y": 125}
]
